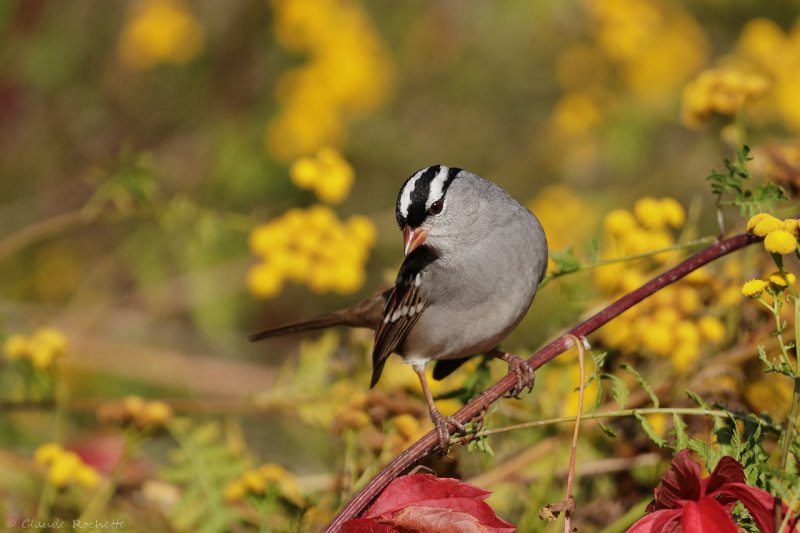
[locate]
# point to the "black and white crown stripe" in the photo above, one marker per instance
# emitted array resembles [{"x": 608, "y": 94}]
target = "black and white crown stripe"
[{"x": 420, "y": 191}]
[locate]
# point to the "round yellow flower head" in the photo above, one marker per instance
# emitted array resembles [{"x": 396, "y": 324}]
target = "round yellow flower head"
[
  {"x": 649, "y": 213},
  {"x": 765, "y": 225},
  {"x": 47, "y": 453},
  {"x": 673, "y": 212},
  {"x": 792, "y": 225},
  {"x": 712, "y": 329},
  {"x": 779, "y": 282},
  {"x": 754, "y": 288},
  {"x": 234, "y": 491},
  {"x": 780, "y": 242}
]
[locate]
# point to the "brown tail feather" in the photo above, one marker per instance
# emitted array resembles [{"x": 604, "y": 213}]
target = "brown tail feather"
[
  {"x": 324, "y": 321},
  {"x": 366, "y": 314}
]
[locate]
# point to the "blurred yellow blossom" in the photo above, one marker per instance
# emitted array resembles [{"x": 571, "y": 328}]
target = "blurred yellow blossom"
[
  {"x": 328, "y": 174},
  {"x": 722, "y": 91},
  {"x": 348, "y": 73},
  {"x": 42, "y": 349},
  {"x": 779, "y": 281},
  {"x": 160, "y": 31},
  {"x": 712, "y": 329},
  {"x": 656, "y": 45},
  {"x": 576, "y": 113},
  {"x": 313, "y": 247},
  {"x": 135, "y": 410},
  {"x": 259, "y": 481},
  {"x": 558, "y": 207},
  {"x": 65, "y": 467}
]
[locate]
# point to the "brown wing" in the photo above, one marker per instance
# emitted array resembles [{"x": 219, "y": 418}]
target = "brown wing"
[{"x": 402, "y": 310}]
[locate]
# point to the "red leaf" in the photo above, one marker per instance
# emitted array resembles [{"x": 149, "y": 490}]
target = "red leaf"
[
  {"x": 663, "y": 521},
  {"x": 365, "y": 525},
  {"x": 680, "y": 482},
  {"x": 440, "y": 499},
  {"x": 417, "y": 519},
  {"x": 760, "y": 503},
  {"x": 728, "y": 470},
  {"x": 408, "y": 490},
  {"x": 707, "y": 516}
]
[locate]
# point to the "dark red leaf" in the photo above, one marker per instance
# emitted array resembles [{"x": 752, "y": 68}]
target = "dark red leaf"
[
  {"x": 707, "y": 516},
  {"x": 414, "y": 499},
  {"x": 416, "y": 519},
  {"x": 663, "y": 521},
  {"x": 365, "y": 525},
  {"x": 728, "y": 470},
  {"x": 760, "y": 503},
  {"x": 416, "y": 488},
  {"x": 680, "y": 482}
]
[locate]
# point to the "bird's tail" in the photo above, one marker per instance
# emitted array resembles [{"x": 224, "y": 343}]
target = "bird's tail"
[{"x": 324, "y": 321}]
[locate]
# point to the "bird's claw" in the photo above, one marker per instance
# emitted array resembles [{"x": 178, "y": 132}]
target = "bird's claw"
[
  {"x": 442, "y": 423},
  {"x": 524, "y": 374}
]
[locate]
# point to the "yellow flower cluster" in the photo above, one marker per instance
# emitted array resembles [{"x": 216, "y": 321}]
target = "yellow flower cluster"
[
  {"x": 558, "y": 207},
  {"x": 656, "y": 45},
  {"x": 328, "y": 174},
  {"x": 160, "y": 31},
  {"x": 721, "y": 91},
  {"x": 42, "y": 349},
  {"x": 765, "y": 46},
  {"x": 672, "y": 322},
  {"x": 348, "y": 73},
  {"x": 780, "y": 236},
  {"x": 313, "y": 247},
  {"x": 774, "y": 284},
  {"x": 134, "y": 410},
  {"x": 262, "y": 481},
  {"x": 65, "y": 467}
]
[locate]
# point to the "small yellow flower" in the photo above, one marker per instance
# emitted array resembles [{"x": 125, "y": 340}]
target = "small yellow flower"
[
  {"x": 673, "y": 212},
  {"x": 160, "y": 31},
  {"x": 47, "y": 453},
  {"x": 328, "y": 174},
  {"x": 712, "y": 329},
  {"x": 780, "y": 242},
  {"x": 234, "y": 491},
  {"x": 792, "y": 225},
  {"x": 684, "y": 356},
  {"x": 16, "y": 347},
  {"x": 254, "y": 482},
  {"x": 86, "y": 476},
  {"x": 407, "y": 425},
  {"x": 779, "y": 282},
  {"x": 133, "y": 405},
  {"x": 764, "y": 225},
  {"x": 154, "y": 414},
  {"x": 264, "y": 280},
  {"x": 649, "y": 213},
  {"x": 754, "y": 288},
  {"x": 362, "y": 229}
]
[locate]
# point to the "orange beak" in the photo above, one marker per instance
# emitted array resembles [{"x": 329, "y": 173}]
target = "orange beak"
[{"x": 413, "y": 238}]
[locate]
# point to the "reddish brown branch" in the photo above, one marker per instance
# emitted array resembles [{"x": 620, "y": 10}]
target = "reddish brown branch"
[{"x": 427, "y": 443}]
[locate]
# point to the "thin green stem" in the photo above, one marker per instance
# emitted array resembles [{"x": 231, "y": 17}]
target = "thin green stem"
[
  {"x": 588, "y": 266},
  {"x": 691, "y": 411}
]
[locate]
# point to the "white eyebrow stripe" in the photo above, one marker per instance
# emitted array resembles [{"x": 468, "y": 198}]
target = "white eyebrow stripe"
[
  {"x": 405, "y": 198},
  {"x": 437, "y": 186}
]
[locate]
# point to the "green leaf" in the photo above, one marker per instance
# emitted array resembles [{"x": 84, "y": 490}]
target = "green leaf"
[
  {"x": 606, "y": 429},
  {"x": 649, "y": 430},
  {"x": 619, "y": 390},
  {"x": 643, "y": 383},
  {"x": 565, "y": 261},
  {"x": 697, "y": 399},
  {"x": 705, "y": 451}
]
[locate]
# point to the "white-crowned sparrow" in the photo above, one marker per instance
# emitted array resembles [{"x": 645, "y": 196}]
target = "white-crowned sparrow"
[{"x": 474, "y": 259}]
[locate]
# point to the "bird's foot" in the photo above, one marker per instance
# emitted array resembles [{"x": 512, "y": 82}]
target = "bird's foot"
[
  {"x": 524, "y": 373},
  {"x": 442, "y": 423}
]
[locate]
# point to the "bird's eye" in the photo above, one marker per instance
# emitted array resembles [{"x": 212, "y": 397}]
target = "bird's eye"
[{"x": 436, "y": 207}]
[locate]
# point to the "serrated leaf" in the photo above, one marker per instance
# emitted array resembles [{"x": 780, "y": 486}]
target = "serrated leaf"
[
  {"x": 649, "y": 430},
  {"x": 565, "y": 261},
  {"x": 697, "y": 399},
  {"x": 619, "y": 390},
  {"x": 642, "y": 382},
  {"x": 606, "y": 429},
  {"x": 705, "y": 451}
]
